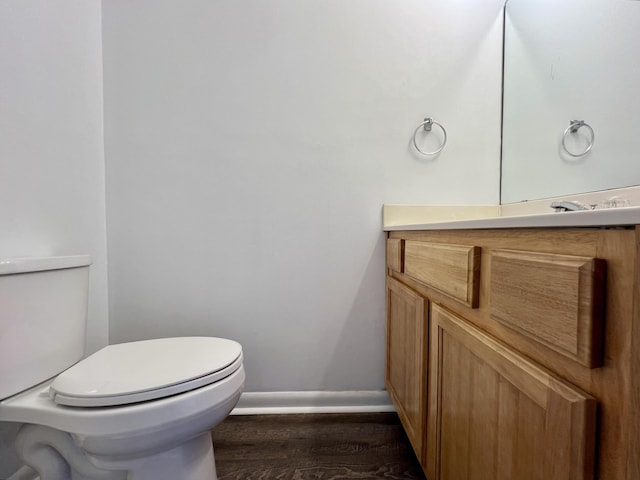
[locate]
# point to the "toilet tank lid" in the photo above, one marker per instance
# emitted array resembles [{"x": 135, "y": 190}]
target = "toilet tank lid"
[{"x": 13, "y": 265}]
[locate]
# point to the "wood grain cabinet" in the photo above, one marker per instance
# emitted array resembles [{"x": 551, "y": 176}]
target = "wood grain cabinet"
[
  {"x": 497, "y": 415},
  {"x": 406, "y": 375},
  {"x": 515, "y": 354}
]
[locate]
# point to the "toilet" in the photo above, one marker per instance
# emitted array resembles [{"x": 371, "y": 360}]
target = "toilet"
[{"x": 131, "y": 411}]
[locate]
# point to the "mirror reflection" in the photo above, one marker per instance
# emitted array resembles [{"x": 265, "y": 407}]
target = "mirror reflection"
[{"x": 570, "y": 60}]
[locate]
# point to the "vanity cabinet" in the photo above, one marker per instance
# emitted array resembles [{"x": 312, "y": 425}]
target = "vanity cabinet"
[{"x": 527, "y": 361}]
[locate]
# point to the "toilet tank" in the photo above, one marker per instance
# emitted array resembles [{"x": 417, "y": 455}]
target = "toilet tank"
[{"x": 43, "y": 312}]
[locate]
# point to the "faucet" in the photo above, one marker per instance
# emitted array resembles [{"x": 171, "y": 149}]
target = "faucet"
[{"x": 567, "y": 206}]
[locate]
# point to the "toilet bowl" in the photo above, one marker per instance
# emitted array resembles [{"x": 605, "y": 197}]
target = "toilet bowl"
[{"x": 135, "y": 411}]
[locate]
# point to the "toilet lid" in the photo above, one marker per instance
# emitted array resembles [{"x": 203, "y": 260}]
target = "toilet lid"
[{"x": 146, "y": 370}]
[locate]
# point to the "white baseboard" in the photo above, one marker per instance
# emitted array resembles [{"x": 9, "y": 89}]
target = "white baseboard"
[{"x": 363, "y": 401}]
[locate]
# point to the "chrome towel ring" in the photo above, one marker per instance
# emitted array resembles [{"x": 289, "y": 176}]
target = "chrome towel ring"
[
  {"x": 427, "y": 126},
  {"x": 574, "y": 126}
]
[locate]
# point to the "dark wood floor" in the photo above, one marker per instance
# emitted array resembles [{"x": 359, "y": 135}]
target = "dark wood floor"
[{"x": 318, "y": 446}]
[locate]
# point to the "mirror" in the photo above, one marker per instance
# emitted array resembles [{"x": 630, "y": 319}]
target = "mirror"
[{"x": 570, "y": 60}]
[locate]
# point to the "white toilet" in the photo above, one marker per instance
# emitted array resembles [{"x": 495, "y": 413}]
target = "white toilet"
[{"x": 135, "y": 411}]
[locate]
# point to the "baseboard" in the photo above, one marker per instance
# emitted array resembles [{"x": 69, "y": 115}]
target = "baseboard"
[{"x": 264, "y": 403}]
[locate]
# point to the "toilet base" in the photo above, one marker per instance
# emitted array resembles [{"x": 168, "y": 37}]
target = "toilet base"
[
  {"x": 54, "y": 455},
  {"x": 192, "y": 460},
  {"x": 165, "y": 439}
]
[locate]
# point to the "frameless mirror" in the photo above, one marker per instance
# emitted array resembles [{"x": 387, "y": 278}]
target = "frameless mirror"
[{"x": 570, "y": 60}]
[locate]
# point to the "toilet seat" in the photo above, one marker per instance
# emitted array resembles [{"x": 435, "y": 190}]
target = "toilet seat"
[
  {"x": 136, "y": 372},
  {"x": 125, "y": 421}
]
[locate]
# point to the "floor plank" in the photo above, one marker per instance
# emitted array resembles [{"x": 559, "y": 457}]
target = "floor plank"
[{"x": 314, "y": 446}]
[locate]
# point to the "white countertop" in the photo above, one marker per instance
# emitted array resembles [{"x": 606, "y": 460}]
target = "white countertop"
[{"x": 606, "y": 217}]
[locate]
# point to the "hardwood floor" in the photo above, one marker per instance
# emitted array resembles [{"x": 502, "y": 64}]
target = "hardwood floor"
[{"x": 317, "y": 446}]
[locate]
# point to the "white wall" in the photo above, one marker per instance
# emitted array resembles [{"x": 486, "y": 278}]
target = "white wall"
[
  {"x": 250, "y": 146},
  {"x": 51, "y": 144}
]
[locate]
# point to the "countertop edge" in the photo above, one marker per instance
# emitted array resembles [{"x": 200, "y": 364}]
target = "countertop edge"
[
  {"x": 526, "y": 214},
  {"x": 610, "y": 217}
]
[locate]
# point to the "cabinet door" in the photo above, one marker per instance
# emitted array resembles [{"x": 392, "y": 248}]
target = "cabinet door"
[
  {"x": 496, "y": 415},
  {"x": 406, "y": 369}
]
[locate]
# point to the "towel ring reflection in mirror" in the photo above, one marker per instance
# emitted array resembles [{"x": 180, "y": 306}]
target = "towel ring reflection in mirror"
[
  {"x": 427, "y": 126},
  {"x": 574, "y": 126}
]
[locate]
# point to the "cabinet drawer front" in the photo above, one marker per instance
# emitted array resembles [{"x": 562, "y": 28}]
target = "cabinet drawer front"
[
  {"x": 451, "y": 269},
  {"x": 395, "y": 254},
  {"x": 556, "y": 300}
]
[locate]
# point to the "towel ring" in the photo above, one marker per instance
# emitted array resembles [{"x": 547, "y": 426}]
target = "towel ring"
[
  {"x": 427, "y": 125},
  {"x": 574, "y": 126}
]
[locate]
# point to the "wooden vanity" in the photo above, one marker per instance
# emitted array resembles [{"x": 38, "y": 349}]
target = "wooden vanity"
[{"x": 514, "y": 353}]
